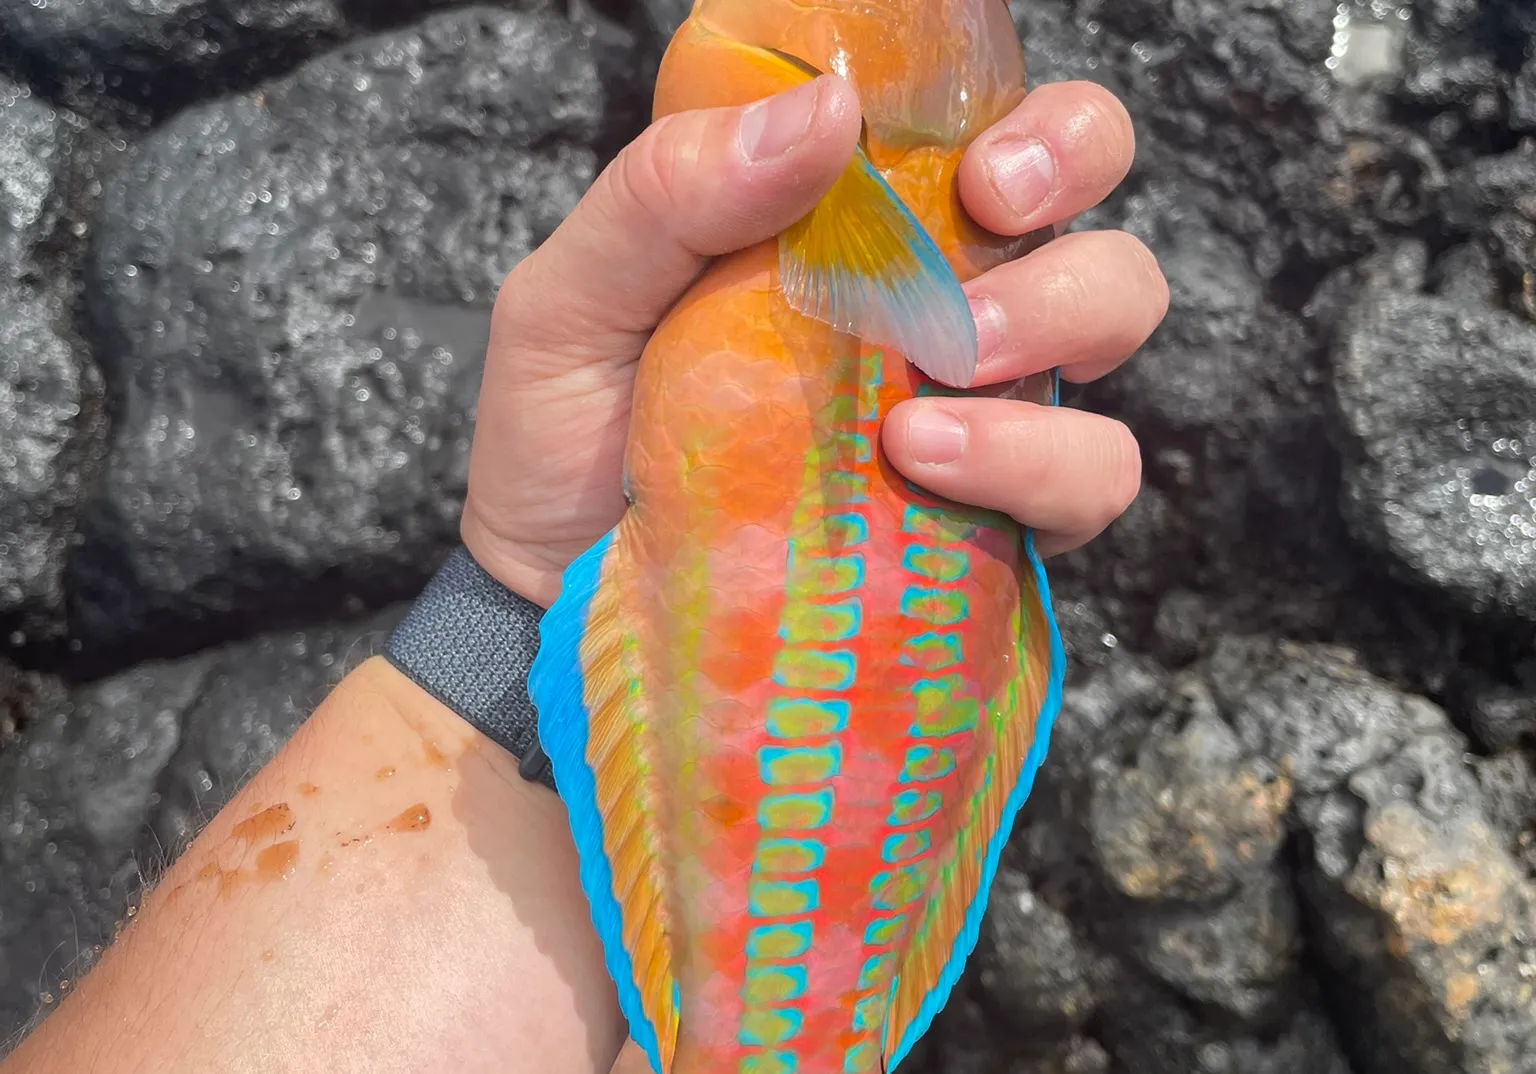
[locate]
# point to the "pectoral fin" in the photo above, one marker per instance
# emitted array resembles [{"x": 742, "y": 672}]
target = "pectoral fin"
[{"x": 861, "y": 262}]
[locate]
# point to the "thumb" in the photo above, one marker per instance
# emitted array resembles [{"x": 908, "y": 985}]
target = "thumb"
[
  {"x": 632, "y": 1060},
  {"x": 695, "y": 185}
]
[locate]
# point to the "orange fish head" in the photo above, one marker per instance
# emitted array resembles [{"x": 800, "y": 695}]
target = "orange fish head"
[{"x": 932, "y": 73}]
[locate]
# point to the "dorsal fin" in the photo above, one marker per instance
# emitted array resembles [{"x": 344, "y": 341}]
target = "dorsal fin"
[{"x": 592, "y": 724}]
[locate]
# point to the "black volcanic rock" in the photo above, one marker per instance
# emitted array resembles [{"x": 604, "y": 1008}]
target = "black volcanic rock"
[
  {"x": 1288, "y": 820},
  {"x": 48, "y": 391},
  {"x": 291, "y": 290}
]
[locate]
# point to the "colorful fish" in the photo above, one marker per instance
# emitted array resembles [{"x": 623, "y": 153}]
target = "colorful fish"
[{"x": 793, "y": 703}]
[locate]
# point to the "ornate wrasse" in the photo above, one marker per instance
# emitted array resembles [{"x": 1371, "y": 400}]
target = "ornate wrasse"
[{"x": 792, "y": 702}]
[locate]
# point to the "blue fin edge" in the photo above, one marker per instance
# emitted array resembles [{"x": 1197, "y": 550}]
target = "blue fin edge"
[
  {"x": 965, "y": 941},
  {"x": 556, "y": 686}
]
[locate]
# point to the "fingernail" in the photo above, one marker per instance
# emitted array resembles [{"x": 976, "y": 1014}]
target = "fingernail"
[
  {"x": 989, "y": 327},
  {"x": 1022, "y": 172},
  {"x": 936, "y": 437},
  {"x": 771, "y": 127}
]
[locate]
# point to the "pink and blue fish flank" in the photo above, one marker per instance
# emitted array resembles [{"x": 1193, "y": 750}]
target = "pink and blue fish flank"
[{"x": 793, "y": 702}]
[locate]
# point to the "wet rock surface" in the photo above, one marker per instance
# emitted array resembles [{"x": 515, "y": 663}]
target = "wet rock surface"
[
  {"x": 48, "y": 389},
  {"x": 1288, "y": 822},
  {"x": 125, "y": 37},
  {"x": 292, "y": 289},
  {"x": 1438, "y": 413}
]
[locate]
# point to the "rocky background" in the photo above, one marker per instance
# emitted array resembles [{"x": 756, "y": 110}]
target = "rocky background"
[{"x": 247, "y": 252}]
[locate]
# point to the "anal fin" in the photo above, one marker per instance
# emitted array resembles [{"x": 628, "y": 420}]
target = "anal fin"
[{"x": 1017, "y": 727}]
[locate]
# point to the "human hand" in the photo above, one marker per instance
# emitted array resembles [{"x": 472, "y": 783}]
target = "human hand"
[{"x": 573, "y": 318}]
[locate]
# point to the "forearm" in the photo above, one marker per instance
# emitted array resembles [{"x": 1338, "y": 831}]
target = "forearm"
[{"x": 387, "y": 895}]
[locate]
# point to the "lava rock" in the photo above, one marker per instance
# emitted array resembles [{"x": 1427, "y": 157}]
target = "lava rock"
[
  {"x": 72, "y": 790},
  {"x": 1500, "y": 715},
  {"x": 1426, "y": 921},
  {"x": 41, "y": 391},
  {"x": 1508, "y": 781},
  {"x": 35, "y": 143},
  {"x": 1504, "y": 716},
  {"x": 1189, "y": 829},
  {"x": 968, "y": 1039},
  {"x": 122, "y": 44},
  {"x": 1522, "y": 98},
  {"x": 47, "y": 393},
  {"x": 292, "y": 291},
  {"x": 1228, "y": 400},
  {"x": 1238, "y": 99},
  {"x": 1192, "y": 819},
  {"x": 99, "y": 785},
  {"x": 1242, "y": 956},
  {"x": 1437, "y": 414},
  {"x": 1494, "y": 199},
  {"x": 1147, "y": 875},
  {"x": 1034, "y": 978},
  {"x": 1224, "y": 356},
  {"x": 1157, "y": 1037}
]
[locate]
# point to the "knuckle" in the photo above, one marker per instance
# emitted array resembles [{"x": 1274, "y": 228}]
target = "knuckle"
[
  {"x": 1071, "y": 286},
  {"x": 1042, "y": 454},
  {"x": 646, "y": 175},
  {"x": 509, "y": 311}
]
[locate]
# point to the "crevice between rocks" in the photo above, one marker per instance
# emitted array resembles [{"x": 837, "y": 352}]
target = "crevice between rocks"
[{"x": 1335, "y": 999}]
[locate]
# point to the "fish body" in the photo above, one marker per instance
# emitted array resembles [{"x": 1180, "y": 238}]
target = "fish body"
[{"x": 793, "y": 702}]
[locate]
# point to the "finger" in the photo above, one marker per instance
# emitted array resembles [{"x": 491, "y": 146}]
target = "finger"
[
  {"x": 631, "y": 1060},
  {"x": 1085, "y": 302},
  {"x": 695, "y": 185},
  {"x": 1060, "y": 152},
  {"x": 1067, "y": 473}
]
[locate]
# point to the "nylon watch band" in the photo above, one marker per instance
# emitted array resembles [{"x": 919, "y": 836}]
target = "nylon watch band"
[{"x": 469, "y": 641}]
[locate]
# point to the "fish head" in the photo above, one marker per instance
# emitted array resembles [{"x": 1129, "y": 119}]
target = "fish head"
[{"x": 929, "y": 73}]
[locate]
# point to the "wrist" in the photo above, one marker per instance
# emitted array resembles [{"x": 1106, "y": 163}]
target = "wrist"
[{"x": 511, "y": 563}]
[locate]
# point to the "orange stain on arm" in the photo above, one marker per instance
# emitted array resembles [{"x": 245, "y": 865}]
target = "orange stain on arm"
[
  {"x": 278, "y": 861},
  {"x": 416, "y": 818},
  {"x": 386, "y": 932},
  {"x": 264, "y": 825}
]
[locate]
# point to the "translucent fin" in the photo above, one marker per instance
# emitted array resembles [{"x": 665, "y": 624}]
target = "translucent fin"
[
  {"x": 1022, "y": 721},
  {"x": 861, "y": 262},
  {"x": 592, "y": 726}
]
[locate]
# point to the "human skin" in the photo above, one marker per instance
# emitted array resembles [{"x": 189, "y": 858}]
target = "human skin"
[{"x": 387, "y": 894}]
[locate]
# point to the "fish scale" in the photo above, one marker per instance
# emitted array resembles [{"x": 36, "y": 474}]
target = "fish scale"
[
  {"x": 822, "y": 715},
  {"x": 792, "y": 701}
]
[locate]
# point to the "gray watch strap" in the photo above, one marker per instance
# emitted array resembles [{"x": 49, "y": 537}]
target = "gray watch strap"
[{"x": 469, "y": 641}]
